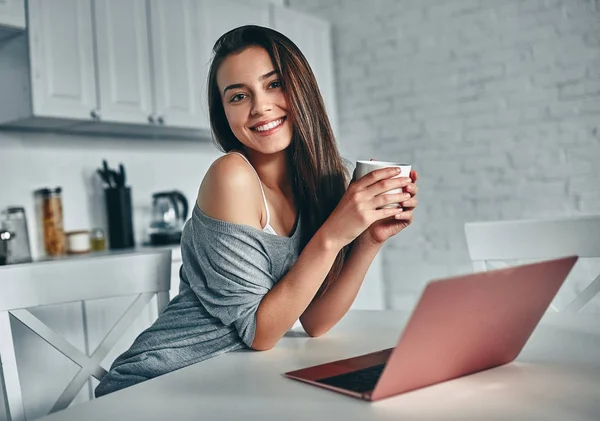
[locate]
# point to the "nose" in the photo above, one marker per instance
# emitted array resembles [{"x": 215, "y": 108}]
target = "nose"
[{"x": 261, "y": 104}]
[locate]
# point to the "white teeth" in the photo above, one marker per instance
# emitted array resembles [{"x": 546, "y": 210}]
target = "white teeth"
[{"x": 269, "y": 126}]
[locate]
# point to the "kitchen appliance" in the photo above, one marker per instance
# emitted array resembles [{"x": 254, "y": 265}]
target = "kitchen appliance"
[
  {"x": 15, "y": 221},
  {"x": 169, "y": 213},
  {"x": 5, "y": 237}
]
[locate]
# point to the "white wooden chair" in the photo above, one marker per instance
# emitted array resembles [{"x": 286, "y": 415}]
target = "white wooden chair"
[
  {"x": 498, "y": 241},
  {"x": 141, "y": 274}
]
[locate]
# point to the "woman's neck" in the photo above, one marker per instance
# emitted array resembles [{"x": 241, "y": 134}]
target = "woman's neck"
[{"x": 273, "y": 170}]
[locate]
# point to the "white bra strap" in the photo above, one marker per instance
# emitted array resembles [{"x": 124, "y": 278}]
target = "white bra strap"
[{"x": 262, "y": 190}]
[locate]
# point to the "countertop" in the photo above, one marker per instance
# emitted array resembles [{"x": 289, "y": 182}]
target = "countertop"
[
  {"x": 175, "y": 254},
  {"x": 555, "y": 377}
]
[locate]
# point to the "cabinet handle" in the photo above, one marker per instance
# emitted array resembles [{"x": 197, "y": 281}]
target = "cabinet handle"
[
  {"x": 95, "y": 114},
  {"x": 161, "y": 120},
  {"x": 151, "y": 119}
]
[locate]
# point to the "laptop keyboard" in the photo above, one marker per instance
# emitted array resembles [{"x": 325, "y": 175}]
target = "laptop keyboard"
[{"x": 358, "y": 381}]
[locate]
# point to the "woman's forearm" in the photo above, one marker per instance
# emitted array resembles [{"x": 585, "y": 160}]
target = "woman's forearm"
[
  {"x": 324, "y": 312},
  {"x": 291, "y": 295}
]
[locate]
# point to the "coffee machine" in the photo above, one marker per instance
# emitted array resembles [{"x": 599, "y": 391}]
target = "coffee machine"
[{"x": 169, "y": 213}]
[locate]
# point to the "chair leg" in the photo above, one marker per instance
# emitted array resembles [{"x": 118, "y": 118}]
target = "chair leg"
[
  {"x": 584, "y": 297},
  {"x": 9, "y": 376}
]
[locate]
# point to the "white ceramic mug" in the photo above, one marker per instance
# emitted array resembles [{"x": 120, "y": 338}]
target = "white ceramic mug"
[{"x": 365, "y": 167}]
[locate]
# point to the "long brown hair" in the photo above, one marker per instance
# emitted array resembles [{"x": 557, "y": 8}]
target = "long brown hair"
[{"x": 320, "y": 177}]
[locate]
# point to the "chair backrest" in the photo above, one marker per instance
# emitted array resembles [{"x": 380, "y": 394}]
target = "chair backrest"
[
  {"x": 143, "y": 274},
  {"x": 537, "y": 239}
]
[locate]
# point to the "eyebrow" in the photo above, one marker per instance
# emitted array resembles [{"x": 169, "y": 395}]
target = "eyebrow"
[{"x": 241, "y": 85}]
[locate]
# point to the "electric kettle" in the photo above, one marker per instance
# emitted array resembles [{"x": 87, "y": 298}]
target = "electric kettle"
[{"x": 169, "y": 213}]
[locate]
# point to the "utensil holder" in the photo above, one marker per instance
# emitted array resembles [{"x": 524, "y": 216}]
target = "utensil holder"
[{"x": 120, "y": 217}]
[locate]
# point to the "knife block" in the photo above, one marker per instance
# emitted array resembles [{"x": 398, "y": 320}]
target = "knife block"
[{"x": 119, "y": 217}]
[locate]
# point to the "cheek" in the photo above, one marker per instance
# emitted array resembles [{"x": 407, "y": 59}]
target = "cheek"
[
  {"x": 234, "y": 118},
  {"x": 282, "y": 101}
]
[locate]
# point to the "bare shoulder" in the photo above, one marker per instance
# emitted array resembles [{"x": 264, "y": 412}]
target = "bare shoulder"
[{"x": 230, "y": 192}]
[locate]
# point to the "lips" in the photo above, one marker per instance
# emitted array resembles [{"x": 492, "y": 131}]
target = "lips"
[{"x": 264, "y": 126}]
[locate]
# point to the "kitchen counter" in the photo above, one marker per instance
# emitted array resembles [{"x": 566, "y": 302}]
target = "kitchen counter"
[
  {"x": 175, "y": 252},
  {"x": 554, "y": 378}
]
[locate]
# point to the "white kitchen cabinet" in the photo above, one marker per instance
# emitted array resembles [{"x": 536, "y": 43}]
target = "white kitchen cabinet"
[
  {"x": 49, "y": 72},
  {"x": 218, "y": 17},
  {"x": 134, "y": 66},
  {"x": 313, "y": 37},
  {"x": 177, "y": 63},
  {"x": 123, "y": 57},
  {"x": 61, "y": 51},
  {"x": 106, "y": 66},
  {"x": 12, "y": 13}
]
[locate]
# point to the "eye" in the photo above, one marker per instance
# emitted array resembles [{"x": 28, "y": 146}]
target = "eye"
[
  {"x": 237, "y": 97},
  {"x": 276, "y": 84}
]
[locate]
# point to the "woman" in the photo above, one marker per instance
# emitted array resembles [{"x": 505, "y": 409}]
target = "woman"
[{"x": 275, "y": 236}]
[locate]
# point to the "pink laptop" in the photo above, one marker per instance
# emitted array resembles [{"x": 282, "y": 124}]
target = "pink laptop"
[{"x": 460, "y": 326}]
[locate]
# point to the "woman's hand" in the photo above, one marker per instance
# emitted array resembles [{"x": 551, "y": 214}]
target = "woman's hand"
[
  {"x": 361, "y": 206},
  {"x": 383, "y": 229}
]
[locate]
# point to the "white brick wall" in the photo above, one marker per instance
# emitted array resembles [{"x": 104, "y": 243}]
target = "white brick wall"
[{"x": 496, "y": 104}]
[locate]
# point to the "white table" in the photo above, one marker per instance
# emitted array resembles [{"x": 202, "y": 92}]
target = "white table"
[{"x": 556, "y": 377}]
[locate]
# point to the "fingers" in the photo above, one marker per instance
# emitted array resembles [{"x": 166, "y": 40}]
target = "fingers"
[
  {"x": 413, "y": 175},
  {"x": 412, "y": 189},
  {"x": 377, "y": 175},
  {"x": 406, "y": 215},
  {"x": 388, "y": 184},
  {"x": 410, "y": 204},
  {"x": 383, "y": 213},
  {"x": 396, "y": 213},
  {"x": 390, "y": 198},
  {"x": 404, "y": 199}
]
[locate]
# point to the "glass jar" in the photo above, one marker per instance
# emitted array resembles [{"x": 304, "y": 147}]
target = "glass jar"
[
  {"x": 14, "y": 220},
  {"x": 50, "y": 215},
  {"x": 97, "y": 240}
]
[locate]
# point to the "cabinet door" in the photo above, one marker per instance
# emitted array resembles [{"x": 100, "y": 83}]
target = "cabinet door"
[
  {"x": 123, "y": 60},
  {"x": 61, "y": 52},
  {"x": 12, "y": 13},
  {"x": 218, "y": 17},
  {"x": 313, "y": 37},
  {"x": 176, "y": 63}
]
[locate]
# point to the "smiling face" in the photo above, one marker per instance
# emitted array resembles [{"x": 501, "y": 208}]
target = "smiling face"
[{"x": 254, "y": 101}]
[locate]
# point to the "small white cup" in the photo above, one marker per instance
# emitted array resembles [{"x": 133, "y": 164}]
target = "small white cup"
[{"x": 365, "y": 167}]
